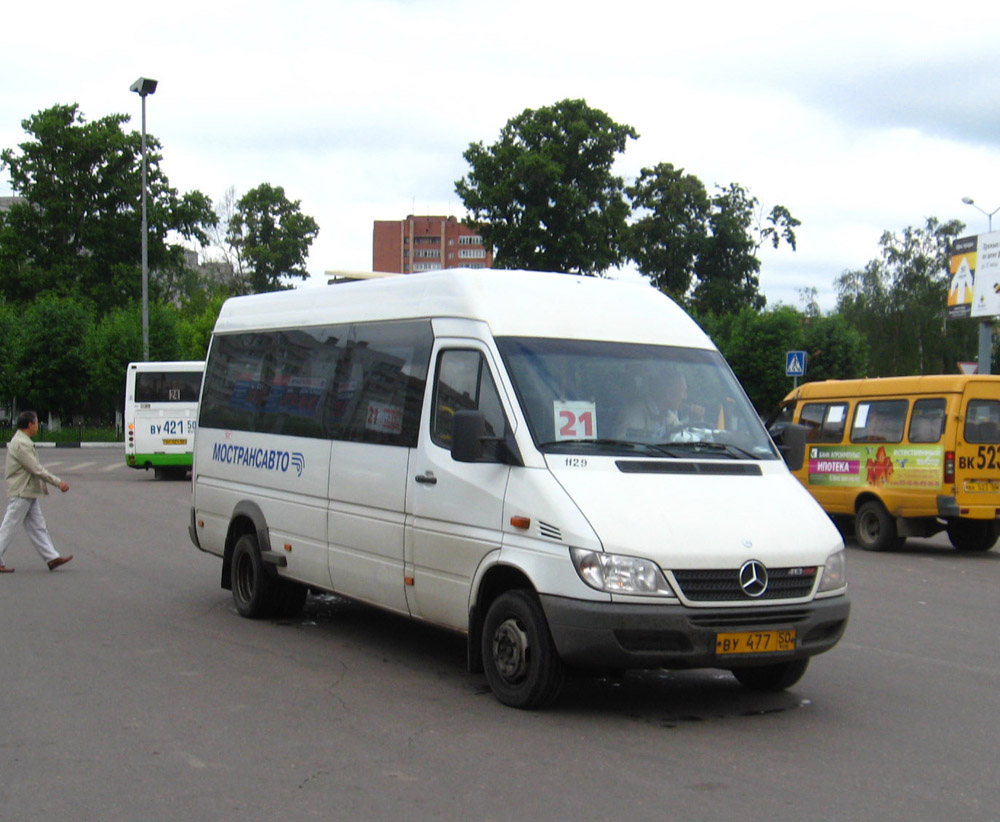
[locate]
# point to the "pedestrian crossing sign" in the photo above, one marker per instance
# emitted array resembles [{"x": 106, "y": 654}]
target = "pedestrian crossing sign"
[{"x": 795, "y": 364}]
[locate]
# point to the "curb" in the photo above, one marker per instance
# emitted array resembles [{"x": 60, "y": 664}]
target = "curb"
[{"x": 75, "y": 445}]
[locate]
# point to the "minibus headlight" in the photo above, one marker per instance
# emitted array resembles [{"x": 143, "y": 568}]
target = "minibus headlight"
[
  {"x": 617, "y": 574},
  {"x": 834, "y": 573}
]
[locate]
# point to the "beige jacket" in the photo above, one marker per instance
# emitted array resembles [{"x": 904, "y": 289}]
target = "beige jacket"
[{"x": 25, "y": 475}]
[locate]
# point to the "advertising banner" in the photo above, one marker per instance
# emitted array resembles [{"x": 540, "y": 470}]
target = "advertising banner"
[
  {"x": 974, "y": 288},
  {"x": 875, "y": 464}
]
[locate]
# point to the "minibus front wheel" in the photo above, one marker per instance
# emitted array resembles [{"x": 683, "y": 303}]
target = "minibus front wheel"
[
  {"x": 520, "y": 660},
  {"x": 771, "y": 678}
]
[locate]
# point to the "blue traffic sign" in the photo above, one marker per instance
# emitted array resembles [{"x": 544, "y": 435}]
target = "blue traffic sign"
[{"x": 795, "y": 364}]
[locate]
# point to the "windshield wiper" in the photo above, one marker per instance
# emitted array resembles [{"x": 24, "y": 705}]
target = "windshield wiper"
[{"x": 730, "y": 450}]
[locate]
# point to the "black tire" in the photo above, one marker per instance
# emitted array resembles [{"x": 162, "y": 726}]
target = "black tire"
[
  {"x": 290, "y": 598},
  {"x": 972, "y": 534},
  {"x": 772, "y": 678},
  {"x": 255, "y": 591},
  {"x": 875, "y": 528},
  {"x": 521, "y": 663}
]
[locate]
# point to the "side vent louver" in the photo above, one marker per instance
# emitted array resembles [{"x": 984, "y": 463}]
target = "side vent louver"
[{"x": 549, "y": 531}]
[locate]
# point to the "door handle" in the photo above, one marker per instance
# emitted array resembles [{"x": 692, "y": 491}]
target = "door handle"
[{"x": 426, "y": 479}]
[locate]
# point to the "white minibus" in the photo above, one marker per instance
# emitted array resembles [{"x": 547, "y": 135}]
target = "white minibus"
[
  {"x": 161, "y": 411},
  {"x": 495, "y": 452}
]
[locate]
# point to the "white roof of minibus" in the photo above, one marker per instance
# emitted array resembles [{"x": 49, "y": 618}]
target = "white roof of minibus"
[{"x": 512, "y": 303}]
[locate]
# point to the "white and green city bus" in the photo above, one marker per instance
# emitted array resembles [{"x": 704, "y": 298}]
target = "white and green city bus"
[{"x": 161, "y": 413}]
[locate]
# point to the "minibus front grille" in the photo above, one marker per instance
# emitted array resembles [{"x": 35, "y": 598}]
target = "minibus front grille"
[{"x": 723, "y": 585}]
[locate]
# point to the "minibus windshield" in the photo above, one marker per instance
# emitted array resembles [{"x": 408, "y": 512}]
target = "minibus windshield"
[{"x": 592, "y": 396}]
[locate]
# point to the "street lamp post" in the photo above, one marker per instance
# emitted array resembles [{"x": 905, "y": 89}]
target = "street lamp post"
[
  {"x": 989, "y": 214},
  {"x": 985, "y": 326},
  {"x": 144, "y": 87}
]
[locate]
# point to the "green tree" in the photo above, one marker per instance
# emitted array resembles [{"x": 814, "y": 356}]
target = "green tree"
[
  {"x": 194, "y": 328},
  {"x": 115, "y": 341},
  {"x": 666, "y": 241},
  {"x": 543, "y": 196},
  {"x": 270, "y": 238},
  {"x": 754, "y": 342},
  {"x": 898, "y": 302},
  {"x": 49, "y": 358},
  {"x": 8, "y": 347},
  {"x": 727, "y": 269},
  {"x": 836, "y": 350},
  {"x": 702, "y": 250},
  {"x": 77, "y": 232}
]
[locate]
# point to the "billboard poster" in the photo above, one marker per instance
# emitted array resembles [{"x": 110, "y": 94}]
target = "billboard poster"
[
  {"x": 986, "y": 293},
  {"x": 876, "y": 465},
  {"x": 974, "y": 269}
]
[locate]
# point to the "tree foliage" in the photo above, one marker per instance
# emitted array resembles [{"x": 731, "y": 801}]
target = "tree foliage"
[
  {"x": 755, "y": 343},
  {"x": 268, "y": 238},
  {"x": 702, "y": 250},
  {"x": 667, "y": 240},
  {"x": 49, "y": 361},
  {"x": 543, "y": 196},
  {"x": 898, "y": 302},
  {"x": 78, "y": 229},
  {"x": 116, "y": 340}
]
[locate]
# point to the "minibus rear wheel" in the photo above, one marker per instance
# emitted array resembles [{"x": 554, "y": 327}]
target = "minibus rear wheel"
[
  {"x": 771, "y": 678},
  {"x": 520, "y": 660},
  {"x": 875, "y": 528},
  {"x": 255, "y": 591},
  {"x": 972, "y": 534}
]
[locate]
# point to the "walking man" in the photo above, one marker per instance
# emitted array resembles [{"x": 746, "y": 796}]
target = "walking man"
[{"x": 26, "y": 483}]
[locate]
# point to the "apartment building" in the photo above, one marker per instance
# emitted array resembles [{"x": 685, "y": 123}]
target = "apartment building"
[{"x": 426, "y": 244}]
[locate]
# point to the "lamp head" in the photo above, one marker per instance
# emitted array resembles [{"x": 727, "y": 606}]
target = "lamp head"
[
  {"x": 968, "y": 201},
  {"x": 143, "y": 86}
]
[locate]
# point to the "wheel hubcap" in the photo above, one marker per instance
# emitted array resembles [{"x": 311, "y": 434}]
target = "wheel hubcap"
[
  {"x": 510, "y": 650},
  {"x": 244, "y": 578}
]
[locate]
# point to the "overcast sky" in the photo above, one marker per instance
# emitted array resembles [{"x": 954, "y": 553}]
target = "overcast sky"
[{"x": 865, "y": 118}]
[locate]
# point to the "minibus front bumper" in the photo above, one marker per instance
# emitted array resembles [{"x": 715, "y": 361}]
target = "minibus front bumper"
[{"x": 602, "y": 634}]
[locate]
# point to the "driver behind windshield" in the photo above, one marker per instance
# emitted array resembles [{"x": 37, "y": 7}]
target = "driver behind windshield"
[{"x": 652, "y": 417}]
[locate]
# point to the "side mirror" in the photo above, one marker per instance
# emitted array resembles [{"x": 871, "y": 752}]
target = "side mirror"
[
  {"x": 792, "y": 445},
  {"x": 467, "y": 435},
  {"x": 471, "y": 443}
]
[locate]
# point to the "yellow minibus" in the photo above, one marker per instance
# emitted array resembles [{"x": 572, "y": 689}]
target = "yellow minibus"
[{"x": 903, "y": 456}]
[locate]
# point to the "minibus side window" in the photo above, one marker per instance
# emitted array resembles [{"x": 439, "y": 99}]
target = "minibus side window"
[
  {"x": 362, "y": 382},
  {"x": 387, "y": 375},
  {"x": 879, "y": 421},
  {"x": 824, "y": 421},
  {"x": 464, "y": 383},
  {"x": 927, "y": 420},
  {"x": 982, "y": 421}
]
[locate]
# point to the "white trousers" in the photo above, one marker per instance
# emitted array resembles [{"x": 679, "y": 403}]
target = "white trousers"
[{"x": 26, "y": 511}]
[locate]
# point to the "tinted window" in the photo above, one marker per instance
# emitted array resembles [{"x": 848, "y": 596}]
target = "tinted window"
[
  {"x": 360, "y": 382},
  {"x": 927, "y": 420},
  {"x": 879, "y": 421},
  {"x": 982, "y": 421},
  {"x": 167, "y": 386},
  {"x": 464, "y": 383},
  {"x": 825, "y": 421}
]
